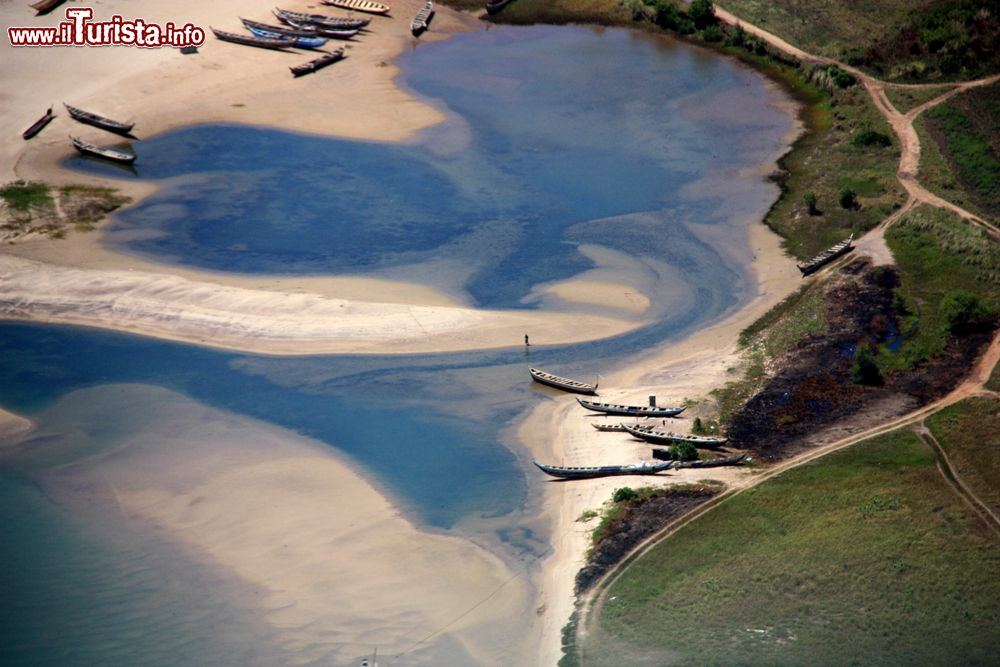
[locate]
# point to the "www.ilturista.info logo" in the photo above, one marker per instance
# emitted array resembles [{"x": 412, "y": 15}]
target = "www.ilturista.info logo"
[{"x": 79, "y": 30}]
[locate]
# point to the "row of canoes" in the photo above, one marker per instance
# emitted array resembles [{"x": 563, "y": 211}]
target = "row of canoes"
[{"x": 646, "y": 432}]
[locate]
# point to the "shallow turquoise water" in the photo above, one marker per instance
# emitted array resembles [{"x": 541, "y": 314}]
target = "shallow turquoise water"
[{"x": 557, "y": 137}]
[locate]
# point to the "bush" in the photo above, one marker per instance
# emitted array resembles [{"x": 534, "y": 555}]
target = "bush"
[
  {"x": 702, "y": 12},
  {"x": 871, "y": 138},
  {"x": 848, "y": 199},
  {"x": 683, "y": 451},
  {"x": 865, "y": 370},
  {"x": 697, "y": 427},
  {"x": 624, "y": 494},
  {"x": 712, "y": 34},
  {"x": 841, "y": 78},
  {"x": 962, "y": 311},
  {"x": 810, "y": 199}
]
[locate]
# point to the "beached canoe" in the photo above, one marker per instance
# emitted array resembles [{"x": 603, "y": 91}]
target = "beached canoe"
[
  {"x": 99, "y": 121},
  {"x": 45, "y": 6},
  {"x": 619, "y": 428},
  {"x": 333, "y": 33},
  {"x": 297, "y": 42},
  {"x": 562, "y": 383},
  {"x": 495, "y": 7},
  {"x": 305, "y": 31},
  {"x": 38, "y": 125},
  {"x": 318, "y": 63},
  {"x": 422, "y": 19},
  {"x": 651, "y": 434},
  {"x": 664, "y": 455},
  {"x": 113, "y": 154},
  {"x": 276, "y": 44},
  {"x": 359, "y": 6},
  {"x": 630, "y": 410},
  {"x": 319, "y": 20},
  {"x": 827, "y": 256},
  {"x": 641, "y": 468}
]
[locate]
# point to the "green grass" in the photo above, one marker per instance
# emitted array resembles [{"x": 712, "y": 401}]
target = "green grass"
[
  {"x": 994, "y": 382},
  {"x": 969, "y": 432},
  {"x": 936, "y": 253},
  {"x": 905, "y": 99},
  {"x": 23, "y": 196},
  {"x": 865, "y": 557},
  {"x": 825, "y": 161},
  {"x": 965, "y": 130}
]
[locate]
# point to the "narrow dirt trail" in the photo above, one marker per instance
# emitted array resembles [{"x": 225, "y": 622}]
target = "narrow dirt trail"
[{"x": 973, "y": 385}]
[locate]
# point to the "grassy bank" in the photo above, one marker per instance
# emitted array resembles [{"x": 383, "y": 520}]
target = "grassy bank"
[
  {"x": 31, "y": 207},
  {"x": 865, "y": 557},
  {"x": 968, "y": 432}
]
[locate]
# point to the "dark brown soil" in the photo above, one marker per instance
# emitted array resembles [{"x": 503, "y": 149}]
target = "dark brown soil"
[
  {"x": 643, "y": 517},
  {"x": 812, "y": 399}
]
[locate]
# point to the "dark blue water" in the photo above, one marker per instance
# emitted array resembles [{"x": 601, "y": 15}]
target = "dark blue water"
[{"x": 557, "y": 137}]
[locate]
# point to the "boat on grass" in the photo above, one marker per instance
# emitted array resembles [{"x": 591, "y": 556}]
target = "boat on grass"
[
  {"x": 630, "y": 410},
  {"x": 274, "y": 43},
  {"x": 359, "y": 6},
  {"x": 650, "y": 433},
  {"x": 318, "y": 63},
  {"x": 422, "y": 19},
  {"x": 313, "y": 42},
  {"x": 827, "y": 256},
  {"x": 319, "y": 20},
  {"x": 38, "y": 125},
  {"x": 113, "y": 154},
  {"x": 99, "y": 121},
  {"x": 566, "y": 472},
  {"x": 562, "y": 383}
]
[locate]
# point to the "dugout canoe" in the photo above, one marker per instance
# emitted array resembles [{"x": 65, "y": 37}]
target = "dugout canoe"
[
  {"x": 38, "y": 125},
  {"x": 565, "y": 472},
  {"x": 653, "y": 435},
  {"x": 630, "y": 410},
  {"x": 113, "y": 154},
  {"x": 565, "y": 384},
  {"x": 88, "y": 118}
]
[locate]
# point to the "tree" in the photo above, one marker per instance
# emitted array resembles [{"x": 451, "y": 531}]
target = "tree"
[
  {"x": 697, "y": 427},
  {"x": 683, "y": 451},
  {"x": 848, "y": 199},
  {"x": 667, "y": 16},
  {"x": 702, "y": 12},
  {"x": 865, "y": 370},
  {"x": 962, "y": 311},
  {"x": 810, "y": 199}
]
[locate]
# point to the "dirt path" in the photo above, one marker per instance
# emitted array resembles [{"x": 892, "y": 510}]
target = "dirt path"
[{"x": 973, "y": 385}]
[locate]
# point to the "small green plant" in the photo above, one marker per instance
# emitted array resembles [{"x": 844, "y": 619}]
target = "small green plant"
[
  {"x": 697, "y": 427},
  {"x": 865, "y": 370},
  {"x": 848, "y": 199},
  {"x": 624, "y": 494},
  {"x": 683, "y": 451},
  {"x": 810, "y": 200},
  {"x": 870, "y": 137},
  {"x": 587, "y": 515}
]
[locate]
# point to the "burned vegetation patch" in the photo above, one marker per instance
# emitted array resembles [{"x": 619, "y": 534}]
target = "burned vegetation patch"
[{"x": 639, "y": 515}]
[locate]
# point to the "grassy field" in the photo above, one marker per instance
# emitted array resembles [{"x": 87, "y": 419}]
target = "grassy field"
[
  {"x": 825, "y": 162},
  {"x": 968, "y": 432},
  {"x": 905, "y": 99},
  {"x": 865, "y": 557},
  {"x": 898, "y": 40},
  {"x": 937, "y": 253},
  {"x": 966, "y": 132}
]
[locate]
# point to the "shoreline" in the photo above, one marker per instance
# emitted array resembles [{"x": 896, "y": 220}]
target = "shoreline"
[{"x": 678, "y": 369}]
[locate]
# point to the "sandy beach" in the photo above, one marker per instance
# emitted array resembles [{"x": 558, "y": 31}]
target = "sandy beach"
[{"x": 282, "y": 480}]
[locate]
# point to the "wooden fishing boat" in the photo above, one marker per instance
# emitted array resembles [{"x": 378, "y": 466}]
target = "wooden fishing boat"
[
  {"x": 297, "y": 42},
  {"x": 113, "y": 154},
  {"x": 664, "y": 455},
  {"x": 319, "y": 20},
  {"x": 495, "y": 7},
  {"x": 318, "y": 63},
  {"x": 303, "y": 31},
  {"x": 630, "y": 410},
  {"x": 562, "y": 383},
  {"x": 260, "y": 42},
  {"x": 99, "y": 121},
  {"x": 359, "y": 6},
  {"x": 334, "y": 33},
  {"x": 45, "y": 6},
  {"x": 641, "y": 468},
  {"x": 827, "y": 256},
  {"x": 651, "y": 434},
  {"x": 422, "y": 19},
  {"x": 38, "y": 125},
  {"x": 620, "y": 428}
]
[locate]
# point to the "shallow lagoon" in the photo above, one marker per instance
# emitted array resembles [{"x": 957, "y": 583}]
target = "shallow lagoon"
[{"x": 557, "y": 137}]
